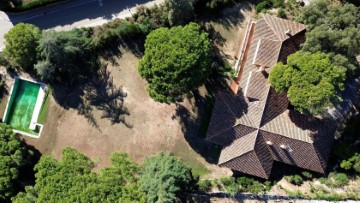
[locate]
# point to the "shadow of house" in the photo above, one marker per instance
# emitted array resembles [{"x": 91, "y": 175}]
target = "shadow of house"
[{"x": 195, "y": 126}]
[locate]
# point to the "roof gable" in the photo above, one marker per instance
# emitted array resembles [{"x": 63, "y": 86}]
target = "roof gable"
[
  {"x": 281, "y": 26},
  {"x": 239, "y": 147}
]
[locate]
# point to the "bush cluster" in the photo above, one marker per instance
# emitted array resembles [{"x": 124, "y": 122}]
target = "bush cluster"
[
  {"x": 235, "y": 185},
  {"x": 267, "y": 4},
  {"x": 295, "y": 179},
  {"x": 335, "y": 180}
]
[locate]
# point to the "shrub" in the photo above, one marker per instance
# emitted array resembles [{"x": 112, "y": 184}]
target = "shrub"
[
  {"x": 251, "y": 185},
  {"x": 352, "y": 163},
  {"x": 340, "y": 179},
  {"x": 281, "y": 13},
  {"x": 278, "y": 3},
  {"x": 205, "y": 185},
  {"x": 295, "y": 179},
  {"x": 230, "y": 185},
  {"x": 306, "y": 175},
  {"x": 4, "y": 61},
  {"x": 325, "y": 181},
  {"x": 227, "y": 180},
  {"x": 328, "y": 196},
  {"x": 262, "y": 6}
]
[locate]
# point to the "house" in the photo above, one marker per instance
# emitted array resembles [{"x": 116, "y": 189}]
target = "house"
[{"x": 256, "y": 125}]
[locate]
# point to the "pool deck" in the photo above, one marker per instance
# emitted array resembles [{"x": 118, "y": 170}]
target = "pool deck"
[{"x": 37, "y": 108}]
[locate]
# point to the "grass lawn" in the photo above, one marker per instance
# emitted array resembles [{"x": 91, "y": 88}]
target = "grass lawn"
[
  {"x": 190, "y": 158},
  {"x": 45, "y": 107}
]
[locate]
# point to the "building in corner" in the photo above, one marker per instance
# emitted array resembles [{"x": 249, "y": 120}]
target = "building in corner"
[{"x": 256, "y": 125}]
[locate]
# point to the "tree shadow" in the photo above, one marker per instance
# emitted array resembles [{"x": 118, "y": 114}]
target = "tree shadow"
[
  {"x": 229, "y": 17},
  {"x": 102, "y": 93},
  {"x": 215, "y": 35},
  {"x": 97, "y": 92},
  {"x": 195, "y": 125},
  {"x": 111, "y": 51}
]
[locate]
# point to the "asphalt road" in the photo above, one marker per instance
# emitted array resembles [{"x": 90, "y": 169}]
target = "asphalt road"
[{"x": 72, "y": 13}]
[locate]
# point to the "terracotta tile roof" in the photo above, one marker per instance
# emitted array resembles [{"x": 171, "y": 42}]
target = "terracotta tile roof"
[
  {"x": 299, "y": 128},
  {"x": 281, "y": 26},
  {"x": 257, "y": 86},
  {"x": 255, "y": 127},
  {"x": 267, "y": 52},
  {"x": 238, "y": 147},
  {"x": 298, "y": 153},
  {"x": 248, "y": 163}
]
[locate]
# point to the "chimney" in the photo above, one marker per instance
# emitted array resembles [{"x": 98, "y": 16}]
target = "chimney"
[
  {"x": 269, "y": 143},
  {"x": 261, "y": 68},
  {"x": 288, "y": 32}
]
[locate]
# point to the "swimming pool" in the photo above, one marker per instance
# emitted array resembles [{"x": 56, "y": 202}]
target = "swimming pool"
[{"x": 24, "y": 106}]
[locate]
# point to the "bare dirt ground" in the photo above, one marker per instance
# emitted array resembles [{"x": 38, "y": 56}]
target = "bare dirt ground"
[
  {"x": 142, "y": 127},
  {"x": 227, "y": 28},
  {"x": 148, "y": 128}
]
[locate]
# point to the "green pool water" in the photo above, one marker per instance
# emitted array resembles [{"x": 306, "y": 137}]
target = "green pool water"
[{"x": 21, "y": 105}]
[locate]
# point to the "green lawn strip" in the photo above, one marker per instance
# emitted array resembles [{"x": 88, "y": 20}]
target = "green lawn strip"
[
  {"x": 44, "y": 107},
  {"x": 189, "y": 157},
  {"x": 26, "y": 6}
]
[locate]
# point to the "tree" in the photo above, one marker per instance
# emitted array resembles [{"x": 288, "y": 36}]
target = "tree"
[
  {"x": 352, "y": 163},
  {"x": 71, "y": 180},
  {"x": 180, "y": 11},
  {"x": 21, "y": 42},
  {"x": 334, "y": 29},
  {"x": 311, "y": 81},
  {"x": 14, "y": 155},
  {"x": 66, "y": 56},
  {"x": 176, "y": 61},
  {"x": 163, "y": 177}
]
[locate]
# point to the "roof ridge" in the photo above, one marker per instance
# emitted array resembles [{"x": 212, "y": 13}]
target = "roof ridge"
[
  {"x": 264, "y": 16},
  {"x": 263, "y": 110},
  {"x": 285, "y": 136}
]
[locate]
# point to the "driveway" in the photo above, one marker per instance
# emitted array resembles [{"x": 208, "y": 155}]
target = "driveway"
[{"x": 73, "y": 13}]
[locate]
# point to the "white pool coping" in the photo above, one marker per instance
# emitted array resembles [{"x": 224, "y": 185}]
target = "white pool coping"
[{"x": 37, "y": 108}]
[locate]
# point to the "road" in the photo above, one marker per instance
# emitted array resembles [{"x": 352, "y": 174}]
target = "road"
[{"x": 73, "y": 13}]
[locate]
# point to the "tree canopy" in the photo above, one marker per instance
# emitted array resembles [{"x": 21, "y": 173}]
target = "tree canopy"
[
  {"x": 14, "y": 155},
  {"x": 163, "y": 177},
  {"x": 71, "y": 180},
  {"x": 176, "y": 61},
  {"x": 180, "y": 11},
  {"x": 66, "y": 56},
  {"x": 21, "y": 43},
  {"x": 311, "y": 81},
  {"x": 352, "y": 163},
  {"x": 334, "y": 29}
]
